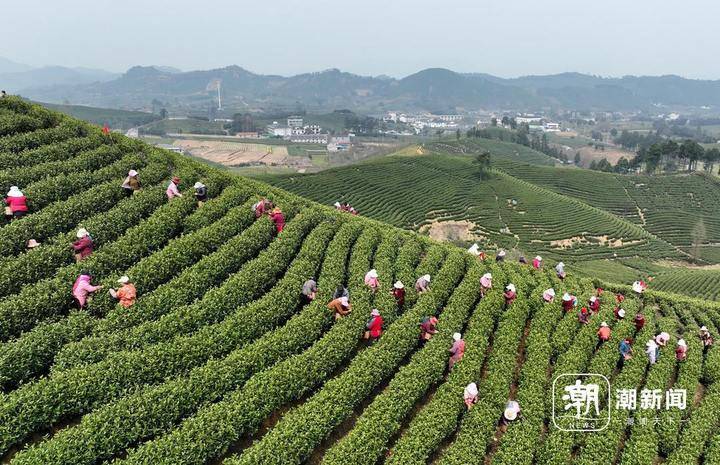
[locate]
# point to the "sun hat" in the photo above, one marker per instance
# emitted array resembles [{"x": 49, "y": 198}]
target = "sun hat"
[
  {"x": 474, "y": 249},
  {"x": 486, "y": 280},
  {"x": 538, "y": 258},
  {"x": 650, "y": 343},
  {"x": 373, "y": 273},
  {"x": 337, "y": 205},
  {"x": 277, "y": 210},
  {"x": 682, "y": 343},
  {"x": 426, "y": 277},
  {"x": 14, "y": 192},
  {"x": 510, "y": 414},
  {"x": 703, "y": 328},
  {"x": 198, "y": 185},
  {"x": 510, "y": 287},
  {"x": 566, "y": 297},
  {"x": 457, "y": 336},
  {"x": 375, "y": 312},
  {"x": 621, "y": 313},
  {"x": 82, "y": 232},
  {"x": 472, "y": 389},
  {"x": 123, "y": 280},
  {"x": 501, "y": 253},
  {"x": 399, "y": 285},
  {"x": 32, "y": 243},
  {"x": 344, "y": 301},
  {"x": 550, "y": 292},
  {"x": 132, "y": 173},
  {"x": 593, "y": 298},
  {"x": 603, "y": 324}
]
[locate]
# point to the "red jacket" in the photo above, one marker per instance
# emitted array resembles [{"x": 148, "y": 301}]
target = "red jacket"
[
  {"x": 17, "y": 204},
  {"x": 510, "y": 297},
  {"x": 568, "y": 305},
  {"x": 83, "y": 247},
  {"x": 595, "y": 306},
  {"x": 399, "y": 295},
  {"x": 375, "y": 326}
]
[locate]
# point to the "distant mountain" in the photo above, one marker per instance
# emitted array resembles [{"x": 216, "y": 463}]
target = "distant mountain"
[
  {"x": 9, "y": 66},
  {"x": 52, "y": 76},
  {"x": 433, "y": 88}
]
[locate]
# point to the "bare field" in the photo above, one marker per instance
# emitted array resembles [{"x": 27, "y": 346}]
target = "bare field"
[{"x": 240, "y": 153}]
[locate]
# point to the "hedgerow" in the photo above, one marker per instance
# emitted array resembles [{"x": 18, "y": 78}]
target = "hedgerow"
[{"x": 209, "y": 434}]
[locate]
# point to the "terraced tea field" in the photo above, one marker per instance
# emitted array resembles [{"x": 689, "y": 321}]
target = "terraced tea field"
[{"x": 220, "y": 361}]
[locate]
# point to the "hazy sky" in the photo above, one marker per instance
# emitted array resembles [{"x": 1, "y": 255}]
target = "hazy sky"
[{"x": 370, "y": 37}]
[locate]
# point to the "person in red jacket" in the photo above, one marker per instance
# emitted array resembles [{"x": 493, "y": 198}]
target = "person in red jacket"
[
  {"x": 568, "y": 302},
  {"x": 398, "y": 292},
  {"x": 17, "y": 203},
  {"x": 510, "y": 294},
  {"x": 604, "y": 332},
  {"x": 374, "y": 326},
  {"x": 639, "y": 321},
  {"x": 278, "y": 218},
  {"x": 681, "y": 350},
  {"x": 83, "y": 247},
  {"x": 594, "y": 304},
  {"x": 584, "y": 316}
]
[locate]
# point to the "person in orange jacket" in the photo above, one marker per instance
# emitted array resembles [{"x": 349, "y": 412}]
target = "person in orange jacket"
[
  {"x": 604, "y": 332},
  {"x": 127, "y": 293}
]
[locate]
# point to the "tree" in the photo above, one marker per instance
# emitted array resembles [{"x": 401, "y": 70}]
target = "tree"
[
  {"x": 613, "y": 132},
  {"x": 482, "y": 163},
  {"x": 577, "y": 158},
  {"x": 513, "y": 123},
  {"x": 493, "y": 122},
  {"x": 163, "y": 113},
  {"x": 505, "y": 121},
  {"x": 596, "y": 135},
  {"x": 622, "y": 166},
  {"x": 457, "y": 134}
]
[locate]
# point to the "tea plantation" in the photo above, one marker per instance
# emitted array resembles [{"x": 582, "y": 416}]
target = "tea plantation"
[{"x": 220, "y": 360}]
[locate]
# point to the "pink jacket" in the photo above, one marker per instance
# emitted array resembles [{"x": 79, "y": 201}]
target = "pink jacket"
[
  {"x": 17, "y": 204},
  {"x": 172, "y": 190},
  {"x": 82, "y": 288},
  {"x": 372, "y": 282},
  {"x": 457, "y": 350}
]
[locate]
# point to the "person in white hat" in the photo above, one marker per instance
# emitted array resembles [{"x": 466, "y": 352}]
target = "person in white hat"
[
  {"x": 131, "y": 183},
  {"x": 422, "y": 284},
  {"x": 337, "y": 205},
  {"x": 485, "y": 284},
  {"x": 201, "y": 193},
  {"x": 16, "y": 203},
  {"x": 457, "y": 350},
  {"x": 594, "y": 304},
  {"x": 309, "y": 290},
  {"x": 470, "y": 395},
  {"x": 84, "y": 245},
  {"x": 639, "y": 287},
  {"x": 705, "y": 337},
  {"x": 568, "y": 302},
  {"x": 32, "y": 243},
  {"x": 510, "y": 295},
  {"x": 662, "y": 339},
  {"x": 549, "y": 295},
  {"x": 560, "y": 270},
  {"x": 474, "y": 250},
  {"x": 127, "y": 293},
  {"x": 537, "y": 262},
  {"x": 340, "y": 306},
  {"x": 511, "y": 412},
  {"x": 619, "y": 313},
  {"x": 681, "y": 350},
  {"x": 604, "y": 332},
  {"x": 374, "y": 326},
  {"x": 500, "y": 256},
  {"x": 398, "y": 292},
  {"x": 371, "y": 280}
]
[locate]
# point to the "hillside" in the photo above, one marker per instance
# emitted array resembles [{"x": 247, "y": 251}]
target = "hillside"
[
  {"x": 433, "y": 89},
  {"x": 219, "y": 360}
]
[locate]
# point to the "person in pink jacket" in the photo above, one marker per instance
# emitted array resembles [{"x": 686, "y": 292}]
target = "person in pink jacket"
[
  {"x": 371, "y": 279},
  {"x": 82, "y": 288},
  {"x": 172, "y": 189}
]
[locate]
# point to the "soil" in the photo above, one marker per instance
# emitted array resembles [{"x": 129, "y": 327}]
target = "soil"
[
  {"x": 600, "y": 240},
  {"x": 451, "y": 231}
]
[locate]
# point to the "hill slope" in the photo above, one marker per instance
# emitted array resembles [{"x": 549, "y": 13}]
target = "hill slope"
[{"x": 206, "y": 364}]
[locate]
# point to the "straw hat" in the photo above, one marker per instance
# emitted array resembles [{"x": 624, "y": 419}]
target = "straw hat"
[
  {"x": 621, "y": 313},
  {"x": 457, "y": 336},
  {"x": 399, "y": 285},
  {"x": 14, "y": 192},
  {"x": 510, "y": 414},
  {"x": 132, "y": 173},
  {"x": 373, "y": 273},
  {"x": 603, "y": 324},
  {"x": 510, "y": 287},
  {"x": 277, "y": 210},
  {"x": 198, "y": 185},
  {"x": 682, "y": 343},
  {"x": 32, "y": 243},
  {"x": 123, "y": 280},
  {"x": 375, "y": 312},
  {"x": 82, "y": 232}
]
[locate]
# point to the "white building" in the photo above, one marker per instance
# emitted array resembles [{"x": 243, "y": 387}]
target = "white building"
[
  {"x": 448, "y": 118},
  {"x": 527, "y": 119},
  {"x": 309, "y": 138},
  {"x": 313, "y": 129},
  {"x": 280, "y": 131},
  {"x": 295, "y": 121},
  {"x": 551, "y": 127}
]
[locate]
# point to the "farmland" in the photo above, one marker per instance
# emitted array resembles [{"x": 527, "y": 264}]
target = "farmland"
[{"x": 220, "y": 360}]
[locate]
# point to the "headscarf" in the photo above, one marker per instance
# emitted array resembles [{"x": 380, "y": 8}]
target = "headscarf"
[
  {"x": 471, "y": 390},
  {"x": 566, "y": 297},
  {"x": 621, "y": 313},
  {"x": 682, "y": 343},
  {"x": 399, "y": 285},
  {"x": 15, "y": 192},
  {"x": 375, "y": 312},
  {"x": 457, "y": 336},
  {"x": 176, "y": 180},
  {"x": 372, "y": 273},
  {"x": 474, "y": 249}
]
